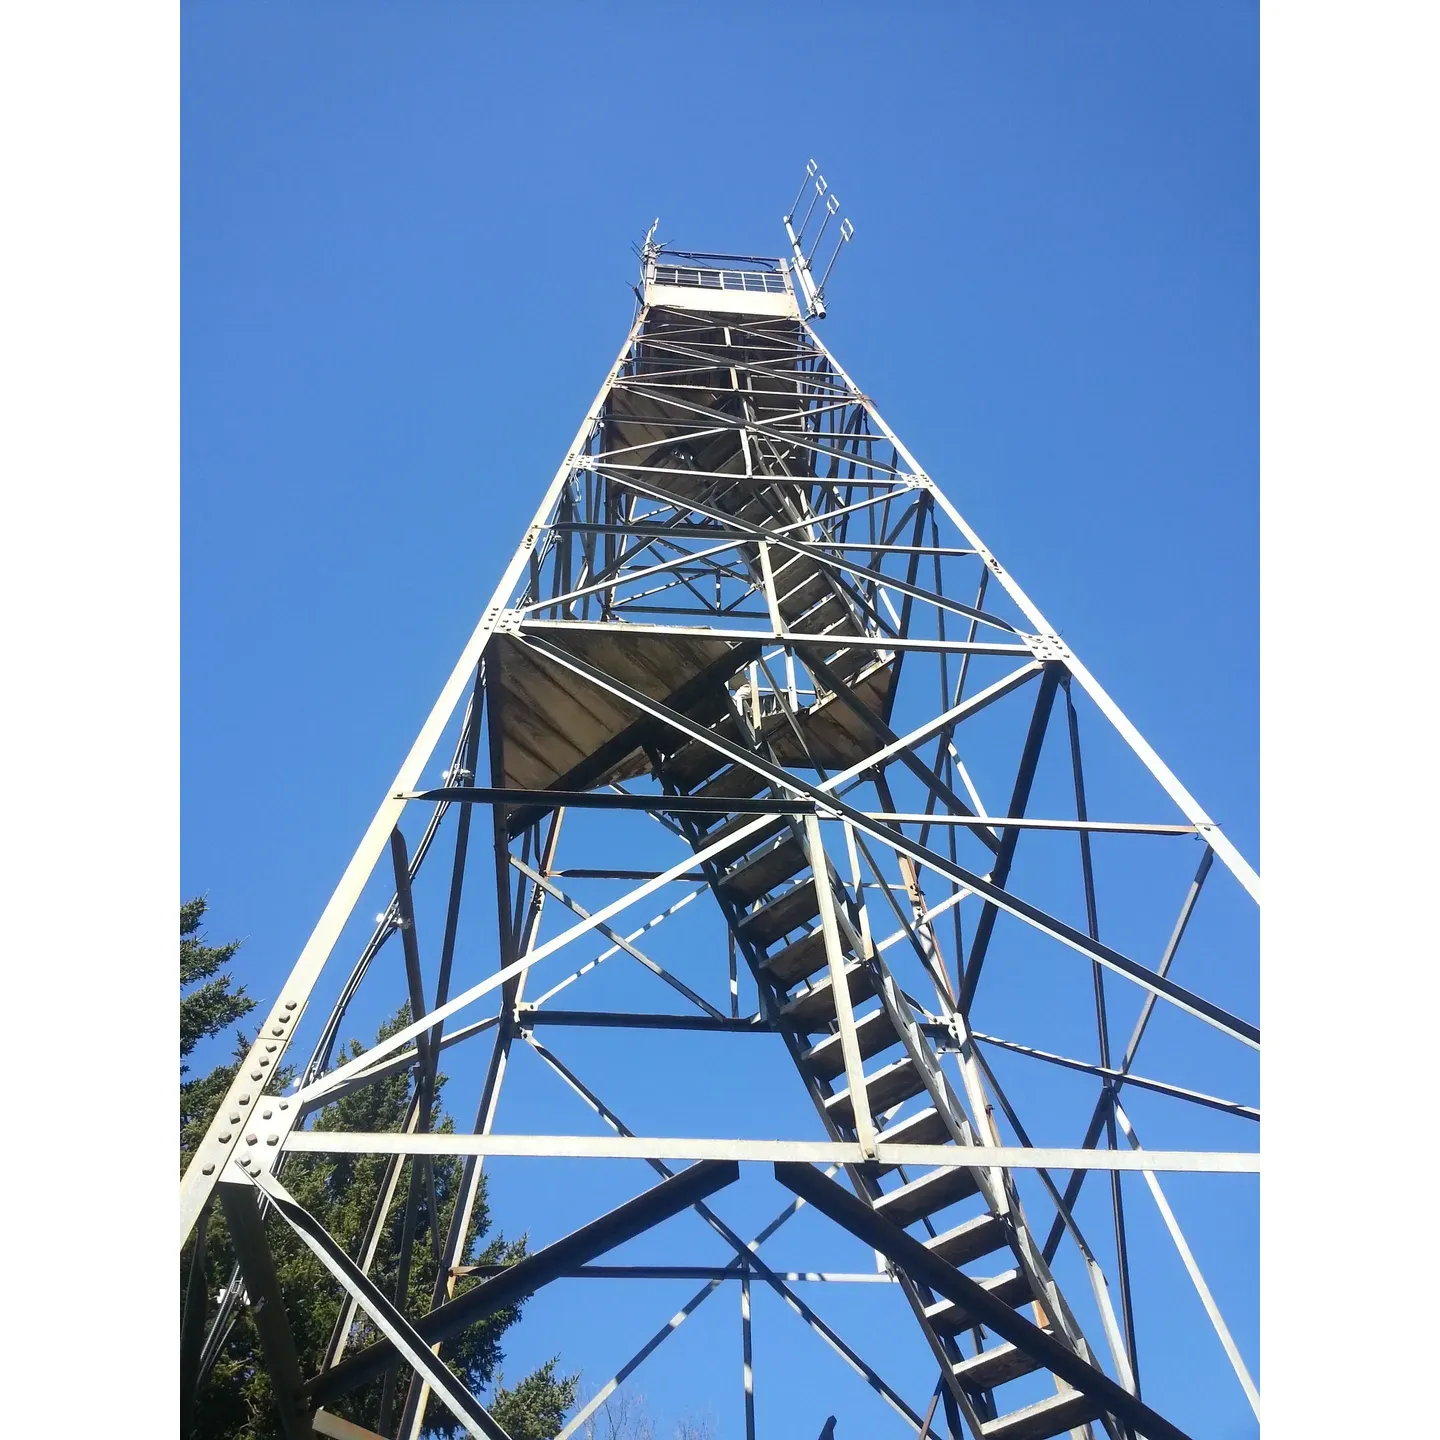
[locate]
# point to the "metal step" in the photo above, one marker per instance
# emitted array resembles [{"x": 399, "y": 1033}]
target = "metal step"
[
  {"x": 815, "y": 1008},
  {"x": 995, "y": 1366},
  {"x": 969, "y": 1241},
  {"x": 886, "y": 1087},
  {"x": 931, "y": 1192},
  {"x": 1012, "y": 1287},
  {"x": 1055, "y": 1415},
  {"x": 787, "y": 911},
  {"x": 764, "y": 870},
  {"x": 874, "y": 1032}
]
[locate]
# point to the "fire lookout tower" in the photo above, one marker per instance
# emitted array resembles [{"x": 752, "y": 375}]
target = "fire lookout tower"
[{"x": 761, "y": 784}]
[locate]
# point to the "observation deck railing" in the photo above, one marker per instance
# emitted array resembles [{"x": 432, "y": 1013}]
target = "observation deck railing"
[{"x": 758, "y": 281}]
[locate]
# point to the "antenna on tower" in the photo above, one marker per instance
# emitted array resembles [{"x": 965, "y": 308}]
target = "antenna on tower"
[
  {"x": 646, "y": 252},
  {"x": 814, "y": 294}
]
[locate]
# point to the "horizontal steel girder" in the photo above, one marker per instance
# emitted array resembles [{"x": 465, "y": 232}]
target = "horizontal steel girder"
[{"x": 820, "y": 1152}]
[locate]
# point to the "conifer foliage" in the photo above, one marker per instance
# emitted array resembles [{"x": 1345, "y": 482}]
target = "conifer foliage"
[
  {"x": 234, "y": 1401},
  {"x": 210, "y": 1002}
]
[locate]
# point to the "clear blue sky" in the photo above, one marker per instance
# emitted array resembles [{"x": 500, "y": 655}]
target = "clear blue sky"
[{"x": 406, "y": 260}]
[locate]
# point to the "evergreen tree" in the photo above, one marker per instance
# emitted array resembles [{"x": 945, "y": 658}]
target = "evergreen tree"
[
  {"x": 211, "y": 1006},
  {"x": 340, "y": 1191}
]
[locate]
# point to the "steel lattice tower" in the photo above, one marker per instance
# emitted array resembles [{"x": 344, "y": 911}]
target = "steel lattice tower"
[{"x": 752, "y": 685}]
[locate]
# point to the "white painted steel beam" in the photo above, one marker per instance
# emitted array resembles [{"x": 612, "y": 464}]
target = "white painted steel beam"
[{"x": 815, "y": 1152}]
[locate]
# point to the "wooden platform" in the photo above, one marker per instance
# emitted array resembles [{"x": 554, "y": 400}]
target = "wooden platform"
[{"x": 563, "y": 732}]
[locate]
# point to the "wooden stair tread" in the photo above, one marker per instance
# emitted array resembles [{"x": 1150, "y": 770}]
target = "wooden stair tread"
[
  {"x": 1011, "y": 1286},
  {"x": 787, "y": 911},
  {"x": 996, "y": 1365},
  {"x": 763, "y": 870},
  {"x": 800, "y": 959},
  {"x": 1055, "y": 1415},
  {"x": 889, "y": 1086},
  {"x": 927, "y": 1193},
  {"x": 970, "y": 1240},
  {"x": 873, "y": 1033},
  {"x": 815, "y": 1006}
]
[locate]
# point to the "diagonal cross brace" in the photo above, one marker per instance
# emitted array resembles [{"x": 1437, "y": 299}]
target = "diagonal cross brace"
[
  {"x": 277, "y": 1341},
  {"x": 1032, "y": 914},
  {"x": 1234, "y": 861},
  {"x": 528, "y": 1275},
  {"x": 887, "y": 737},
  {"x": 746, "y": 1256},
  {"x": 402, "y": 1335},
  {"x": 928, "y": 1269},
  {"x": 812, "y": 551},
  {"x": 613, "y": 935},
  {"x": 1019, "y": 799}
]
